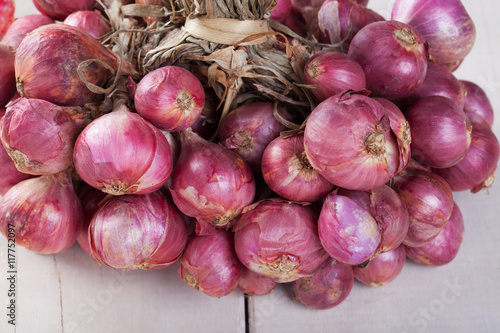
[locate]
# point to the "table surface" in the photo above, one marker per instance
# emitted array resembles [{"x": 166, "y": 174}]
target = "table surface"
[{"x": 69, "y": 292}]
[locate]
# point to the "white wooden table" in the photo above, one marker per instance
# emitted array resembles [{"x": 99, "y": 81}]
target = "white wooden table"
[{"x": 69, "y": 292}]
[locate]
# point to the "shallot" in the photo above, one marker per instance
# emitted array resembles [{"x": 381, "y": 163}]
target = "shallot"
[
  {"x": 382, "y": 269},
  {"x": 209, "y": 264},
  {"x": 393, "y": 56},
  {"x": 252, "y": 283},
  {"x": 287, "y": 171},
  {"x": 348, "y": 139},
  {"x": 89, "y": 21},
  {"x": 248, "y": 129},
  {"x": 279, "y": 239},
  {"x": 7, "y": 74},
  {"x": 170, "y": 97},
  {"x": 140, "y": 161},
  {"x": 477, "y": 106},
  {"x": 444, "y": 24},
  {"x": 137, "y": 232},
  {"x": 327, "y": 288},
  {"x": 333, "y": 73},
  {"x": 444, "y": 248},
  {"x": 60, "y": 9},
  {"x": 441, "y": 133},
  {"x": 347, "y": 231},
  {"x": 476, "y": 170},
  {"x": 22, "y": 26},
  {"x": 44, "y": 213},
  {"x": 429, "y": 200},
  {"x": 211, "y": 183}
]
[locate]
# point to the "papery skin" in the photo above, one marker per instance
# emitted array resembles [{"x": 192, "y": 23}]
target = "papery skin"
[
  {"x": 7, "y": 9},
  {"x": 327, "y": 288},
  {"x": 139, "y": 163},
  {"x": 22, "y": 26},
  {"x": 7, "y": 74},
  {"x": 439, "y": 81},
  {"x": 445, "y": 25},
  {"x": 46, "y": 65},
  {"x": 60, "y": 9},
  {"x": 429, "y": 200},
  {"x": 388, "y": 210},
  {"x": 90, "y": 198},
  {"x": 252, "y": 283},
  {"x": 444, "y": 248},
  {"x": 333, "y": 73},
  {"x": 89, "y": 21},
  {"x": 279, "y": 239},
  {"x": 248, "y": 129},
  {"x": 170, "y": 97},
  {"x": 137, "y": 232},
  {"x": 401, "y": 129},
  {"x": 477, "y": 106},
  {"x": 340, "y": 20},
  {"x": 382, "y": 269},
  {"x": 393, "y": 56},
  {"x": 476, "y": 170},
  {"x": 347, "y": 231},
  {"x": 287, "y": 171},
  {"x": 148, "y": 19},
  {"x": 44, "y": 212},
  {"x": 211, "y": 183},
  {"x": 441, "y": 133},
  {"x": 348, "y": 139},
  {"x": 39, "y": 136},
  {"x": 209, "y": 264}
]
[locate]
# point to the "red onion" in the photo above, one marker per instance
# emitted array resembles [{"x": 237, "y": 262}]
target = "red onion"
[
  {"x": 170, "y": 97},
  {"x": 137, "y": 232},
  {"x": 439, "y": 81},
  {"x": 252, "y": 283},
  {"x": 211, "y": 183},
  {"x": 89, "y": 21},
  {"x": 429, "y": 200},
  {"x": 7, "y": 9},
  {"x": 477, "y": 106},
  {"x": 296, "y": 22},
  {"x": 383, "y": 269},
  {"x": 444, "y": 248},
  {"x": 60, "y": 9},
  {"x": 441, "y": 133},
  {"x": 279, "y": 239},
  {"x": 44, "y": 213},
  {"x": 341, "y": 20},
  {"x": 287, "y": 171},
  {"x": 327, "y": 288},
  {"x": 22, "y": 26},
  {"x": 393, "y": 56},
  {"x": 401, "y": 129},
  {"x": 348, "y": 139},
  {"x": 388, "y": 210},
  {"x": 209, "y": 264},
  {"x": 139, "y": 162},
  {"x": 444, "y": 24},
  {"x": 47, "y": 61},
  {"x": 39, "y": 136},
  {"x": 248, "y": 129},
  {"x": 347, "y": 231},
  {"x": 7, "y": 74},
  {"x": 333, "y": 73},
  {"x": 90, "y": 199},
  {"x": 476, "y": 170},
  {"x": 282, "y": 10}
]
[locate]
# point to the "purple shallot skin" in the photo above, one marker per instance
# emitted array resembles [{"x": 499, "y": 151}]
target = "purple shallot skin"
[
  {"x": 382, "y": 269},
  {"x": 347, "y": 231},
  {"x": 327, "y": 288}
]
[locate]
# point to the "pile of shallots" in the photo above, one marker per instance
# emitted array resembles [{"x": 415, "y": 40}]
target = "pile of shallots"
[{"x": 155, "y": 176}]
